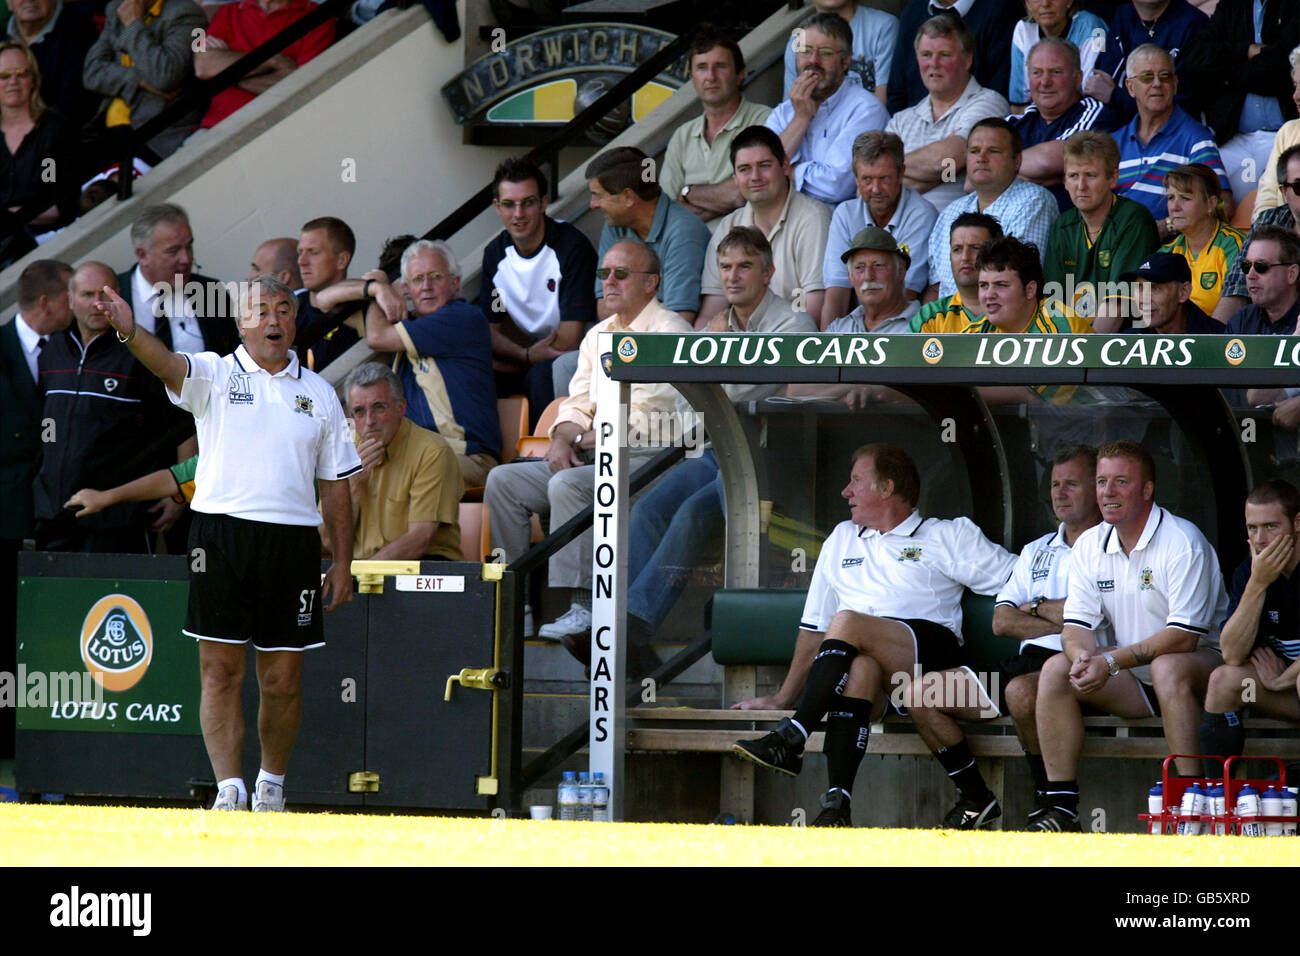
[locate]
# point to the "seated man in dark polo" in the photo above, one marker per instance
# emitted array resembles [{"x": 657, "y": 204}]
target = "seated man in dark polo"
[
  {"x": 1271, "y": 264},
  {"x": 1160, "y": 300},
  {"x": 1260, "y": 639},
  {"x": 885, "y": 599},
  {"x": 444, "y": 357},
  {"x": 406, "y": 498}
]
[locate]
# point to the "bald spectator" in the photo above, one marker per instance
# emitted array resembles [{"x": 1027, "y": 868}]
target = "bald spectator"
[
  {"x": 1057, "y": 112},
  {"x": 1161, "y": 137},
  {"x": 59, "y": 37},
  {"x": 278, "y": 258},
  {"x": 934, "y": 131},
  {"x": 875, "y": 34},
  {"x": 635, "y": 207},
  {"x": 990, "y": 23},
  {"x": 794, "y": 226},
  {"x": 822, "y": 114},
  {"x": 105, "y": 410},
  {"x": 1058, "y": 19},
  {"x": 1238, "y": 66},
  {"x": 141, "y": 64},
  {"x": 242, "y": 26},
  {"x": 697, "y": 162},
  {"x": 882, "y": 201}
]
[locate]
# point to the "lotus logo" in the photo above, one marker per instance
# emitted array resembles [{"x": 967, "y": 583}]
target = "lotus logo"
[
  {"x": 1235, "y": 351},
  {"x": 627, "y": 349},
  {"x": 116, "y": 642},
  {"x": 932, "y": 351}
]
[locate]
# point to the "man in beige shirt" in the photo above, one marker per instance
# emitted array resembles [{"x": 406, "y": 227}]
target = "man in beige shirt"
[
  {"x": 562, "y": 483},
  {"x": 406, "y": 498}
]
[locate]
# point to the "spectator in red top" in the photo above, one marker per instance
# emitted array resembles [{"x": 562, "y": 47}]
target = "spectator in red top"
[{"x": 241, "y": 27}]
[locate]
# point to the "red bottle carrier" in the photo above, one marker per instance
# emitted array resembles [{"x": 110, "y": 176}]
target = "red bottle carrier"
[{"x": 1172, "y": 795}]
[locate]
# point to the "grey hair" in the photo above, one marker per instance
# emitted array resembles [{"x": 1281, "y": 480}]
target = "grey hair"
[
  {"x": 429, "y": 245},
  {"x": 1145, "y": 50},
  {"x": 1065, "y": 46},
  {"x": 372, "y": 373},
  {"x": 149, "y": 220},
  {"x": 1295, "y": 58},
  {"x": 271, "y": 285}
]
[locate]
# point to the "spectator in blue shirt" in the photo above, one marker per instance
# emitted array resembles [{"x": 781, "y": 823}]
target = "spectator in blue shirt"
[{"x": 1171, "y": 25}]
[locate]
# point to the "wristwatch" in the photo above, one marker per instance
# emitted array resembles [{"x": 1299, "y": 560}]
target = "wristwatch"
[
  {"x": 1111, "y": 663},
  {"x": 1033, "y": 607},
  {"x": 686, "y": 190}
]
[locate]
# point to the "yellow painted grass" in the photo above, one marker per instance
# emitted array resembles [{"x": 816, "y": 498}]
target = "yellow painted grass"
[{"x": 129, "y": 836}]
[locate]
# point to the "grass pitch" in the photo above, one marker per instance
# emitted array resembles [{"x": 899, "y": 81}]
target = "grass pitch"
[{"x": 49, "y": 835}]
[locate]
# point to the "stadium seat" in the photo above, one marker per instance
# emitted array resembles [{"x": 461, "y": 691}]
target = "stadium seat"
[
  {"x": 534, "y": 445},
  {"x": 1245, "y": 208}
]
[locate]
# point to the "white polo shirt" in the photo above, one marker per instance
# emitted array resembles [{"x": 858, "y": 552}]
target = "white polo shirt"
[
  {"x": 1043, "y": 569},
  {"x": 263, "y": 437},
  {"x": 1171, "y": 578},
  {"x": 915, "y": 570}
]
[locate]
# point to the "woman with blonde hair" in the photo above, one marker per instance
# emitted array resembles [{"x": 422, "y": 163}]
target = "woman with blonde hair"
[
  {"x": 36, "y": 145},
  {"x": 1202, "y": 234}
]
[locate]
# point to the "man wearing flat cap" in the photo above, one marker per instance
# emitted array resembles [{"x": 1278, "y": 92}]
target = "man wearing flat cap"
[{"x": 877, "y": 267}]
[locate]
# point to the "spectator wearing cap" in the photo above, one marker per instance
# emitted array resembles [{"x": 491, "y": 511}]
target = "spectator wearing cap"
[
  {"x": 1271, "y": 264},
  {"x": 1161, "y": 299},
  {"x": 794, "y": 226},
  {"x": 877, "y": 267},
  {"x": 1103, "y": 234},
  {"x": 822, "y": 114},
  {"x": 879, "y": 168},
  {"x": 1024, "y": 210}
]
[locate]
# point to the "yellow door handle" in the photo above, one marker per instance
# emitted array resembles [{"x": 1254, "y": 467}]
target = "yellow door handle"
[{"x": 479, "y": 678}]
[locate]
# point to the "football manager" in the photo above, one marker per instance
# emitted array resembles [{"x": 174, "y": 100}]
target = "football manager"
[{"x": 268, "y": 427}]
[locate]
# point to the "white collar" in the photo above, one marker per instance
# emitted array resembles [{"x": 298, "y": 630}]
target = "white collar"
[{"x": 27, "y": 336}]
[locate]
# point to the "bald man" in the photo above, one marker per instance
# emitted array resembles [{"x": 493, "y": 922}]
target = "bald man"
[{"x": 279, "y": 258}]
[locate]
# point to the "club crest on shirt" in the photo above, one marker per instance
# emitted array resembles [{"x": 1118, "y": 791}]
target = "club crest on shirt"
[
  {"x": 1146, "y": 578},
  {"x": 1208, "y": 279},
  {"x": 240, "y": 391},
  {"x": 607, "y": 363},
  {"x": 550, "y": 285},
  {"x": 910, "y": 553},
  {"x": 1107, "y": 585},
  {"x": 1272, "y": 616},
  {"x": 302, "y": 404}
]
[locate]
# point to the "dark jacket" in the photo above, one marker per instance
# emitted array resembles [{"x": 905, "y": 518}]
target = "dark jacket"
[
  {"x": 1216, "y": 66},
  {"x": 221, "y": 331},
  {"x": 20, "y": 436}
]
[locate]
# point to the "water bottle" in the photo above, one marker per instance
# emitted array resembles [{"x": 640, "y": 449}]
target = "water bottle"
[
  {"x": 1289, "y": 810},
  {"x": 585, "y": 796},
  {"x": 600, "y": 798},
  {"x": 1155, "y": 804},
  {"x": 1248, "y": 806},
  {"x": 1271, "y": 803},
  {"x": 1193, "y": 804},
  {"x": 1217, "y": 808},
  {"x": 568, "y": 796}
]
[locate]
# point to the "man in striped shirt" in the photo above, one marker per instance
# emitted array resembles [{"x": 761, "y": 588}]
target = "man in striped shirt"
[{"x": 1161, "y": 137}]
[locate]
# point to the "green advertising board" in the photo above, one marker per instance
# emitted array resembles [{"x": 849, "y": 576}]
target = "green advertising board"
[{"x": 104, "y": 655}]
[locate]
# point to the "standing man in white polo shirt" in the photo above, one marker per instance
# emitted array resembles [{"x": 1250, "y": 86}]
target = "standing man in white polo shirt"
[
  {"x": 885, "y": 597},
  {"x": 1155, "y": 580},
  {"x": 268, "y": 429}
]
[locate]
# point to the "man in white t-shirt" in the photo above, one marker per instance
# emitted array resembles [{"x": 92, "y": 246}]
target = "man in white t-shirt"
[
  {"x": 268, "y": 428},
  {"x": 885, "y": 598},
  {"x": 1155, "y": 580}
]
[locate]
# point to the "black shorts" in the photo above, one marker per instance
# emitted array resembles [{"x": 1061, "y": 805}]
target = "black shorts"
[
  {"x": 936, "y": 649},
  {"x": 1030, "y": 660},
  {"x": 253, "y": 580}
]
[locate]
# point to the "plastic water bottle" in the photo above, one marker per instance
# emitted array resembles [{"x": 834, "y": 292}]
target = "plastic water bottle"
[
  {"x": 568, "y": 796},
  {"x": 1271, "y": 803},
  {"x": 1248, "y": 805},
  {"x": 1216, "y": 807},
  {"x": 1289, "y": 810},
  {"x": 1155, "y": 804},
  {"x": 585, "y": 796},
  {"x": 1193, "y": 804},
  {"x": 600, "y": 798}
]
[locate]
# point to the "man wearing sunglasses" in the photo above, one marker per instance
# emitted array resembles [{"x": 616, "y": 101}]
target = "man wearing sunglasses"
[
  {"x": 563, "y": 483},
  {"x": 1285, "y": 216},
  {"x": 1162, "y": 137},
  {"x": 536, "y": 290},
  {"x": 1271, "y": 265}
]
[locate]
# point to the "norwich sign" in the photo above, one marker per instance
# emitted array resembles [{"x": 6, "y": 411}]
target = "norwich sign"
[{"x": 538, "y": 78}]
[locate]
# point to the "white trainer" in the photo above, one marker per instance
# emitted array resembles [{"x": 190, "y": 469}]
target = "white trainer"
[
  {"x": 228, "y": 799},
  {"x": 268, "y": 797},
  {"x": 576, "y": 620}
]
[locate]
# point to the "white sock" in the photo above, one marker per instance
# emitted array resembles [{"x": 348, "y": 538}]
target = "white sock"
[
  {"x": 238, "y": 784},
  {"x": 275, "y": 778}
]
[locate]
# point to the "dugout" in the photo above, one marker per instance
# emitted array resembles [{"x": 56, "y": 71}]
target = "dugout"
[{"x": 783, "y": 463}]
